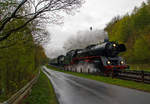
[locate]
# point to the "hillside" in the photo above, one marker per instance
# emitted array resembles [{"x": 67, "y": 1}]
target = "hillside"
[{"x": 134, "y": 31}]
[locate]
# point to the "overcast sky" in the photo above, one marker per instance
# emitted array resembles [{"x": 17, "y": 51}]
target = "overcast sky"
[{"x": 95, "y": 13}]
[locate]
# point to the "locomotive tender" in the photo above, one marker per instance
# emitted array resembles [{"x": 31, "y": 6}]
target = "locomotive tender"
[{"x": 102, "y": 58}]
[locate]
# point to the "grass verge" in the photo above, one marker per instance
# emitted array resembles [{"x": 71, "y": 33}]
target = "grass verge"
[
  {"x": 145, "y": 67},
  {"x": 114, "y": 81},
  {"x": 42, "y": 92},
  {"x": 14, "y": 86}
]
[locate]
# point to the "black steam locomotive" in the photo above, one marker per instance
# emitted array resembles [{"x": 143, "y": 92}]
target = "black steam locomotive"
[{"x": 101, "y": 58}]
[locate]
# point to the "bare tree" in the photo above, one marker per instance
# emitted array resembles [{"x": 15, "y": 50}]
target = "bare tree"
[
  {"x": 41, "y": 10},
  {"x": 41, "y": 36}
]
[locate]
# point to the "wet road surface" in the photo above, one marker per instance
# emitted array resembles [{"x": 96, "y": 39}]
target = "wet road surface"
[{"x": 70, "y": 89}]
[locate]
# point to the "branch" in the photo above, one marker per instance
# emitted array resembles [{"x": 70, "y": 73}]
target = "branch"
[
  {"x": 12, "y": 15},
  {"x": 14, "y": 30},
  {"x": 51, "y": 6}
]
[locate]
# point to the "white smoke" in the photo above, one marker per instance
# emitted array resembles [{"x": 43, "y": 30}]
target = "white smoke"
[
  {"x": 78, "y": 41},
  {"x": 84, "y": 38},
  {"x": 55, "y": 52}
]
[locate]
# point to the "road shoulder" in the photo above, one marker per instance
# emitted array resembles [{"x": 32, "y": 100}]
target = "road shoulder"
[
  {"x": 42, "y": 92},
  {"x": 124, "y": 83}
]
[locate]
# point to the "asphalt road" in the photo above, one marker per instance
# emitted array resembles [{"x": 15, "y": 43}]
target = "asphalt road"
[{"x": 70, "y": 89}]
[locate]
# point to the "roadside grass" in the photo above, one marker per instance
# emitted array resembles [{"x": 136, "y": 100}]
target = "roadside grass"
[
  {"x": 42, "y": 92},
  {"x": 145, "y": 67},
  {"x": 16, "y": 87},
  {"x": 3, "y": 98},
  {"x": 124, "y": 83}
]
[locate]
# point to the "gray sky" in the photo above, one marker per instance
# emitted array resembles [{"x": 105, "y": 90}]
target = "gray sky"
[{"x": 95, "y": 13}]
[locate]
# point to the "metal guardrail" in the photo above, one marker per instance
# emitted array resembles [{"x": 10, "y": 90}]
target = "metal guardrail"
[
  {"x": 17, "y": 97},
  {"x": 137, "y": 72},
  {"x": 139, "y": 76}
]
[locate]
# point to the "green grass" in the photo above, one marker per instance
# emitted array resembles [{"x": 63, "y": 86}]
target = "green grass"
[
  {"x": 114, "y": 81},
  {"x": 42, "y": 92},
  {"x": 3, "y": 98},
  {"x": 16, "y": 86},
  {"x": 145, "y": 67}
]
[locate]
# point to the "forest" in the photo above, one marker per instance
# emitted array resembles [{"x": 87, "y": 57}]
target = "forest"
[
  {"x": 22, "y": 36},
  {"x": 20, "y": 55},
  {"x": 133, "y": 30}
]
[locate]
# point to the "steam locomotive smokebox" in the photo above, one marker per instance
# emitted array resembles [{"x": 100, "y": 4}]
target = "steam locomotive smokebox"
[{"x": 110, "y": 49}]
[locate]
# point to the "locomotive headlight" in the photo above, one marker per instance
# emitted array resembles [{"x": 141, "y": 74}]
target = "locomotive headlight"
[
  {"x": 108, "y": 62},
  {"x": 121, "y": 62},
  {"x": 114, "y": 45}
]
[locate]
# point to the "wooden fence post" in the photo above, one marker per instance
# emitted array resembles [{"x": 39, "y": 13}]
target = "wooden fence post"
[{"x": 142, "y": 76}]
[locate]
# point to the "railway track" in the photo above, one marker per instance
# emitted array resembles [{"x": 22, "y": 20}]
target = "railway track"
[{"x": 132, "y": 75}]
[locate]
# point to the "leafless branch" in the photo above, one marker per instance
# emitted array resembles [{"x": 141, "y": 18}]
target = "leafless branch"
[
  {"x": 12, "y": 15},
  {"x": 38, "y": 9}
]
